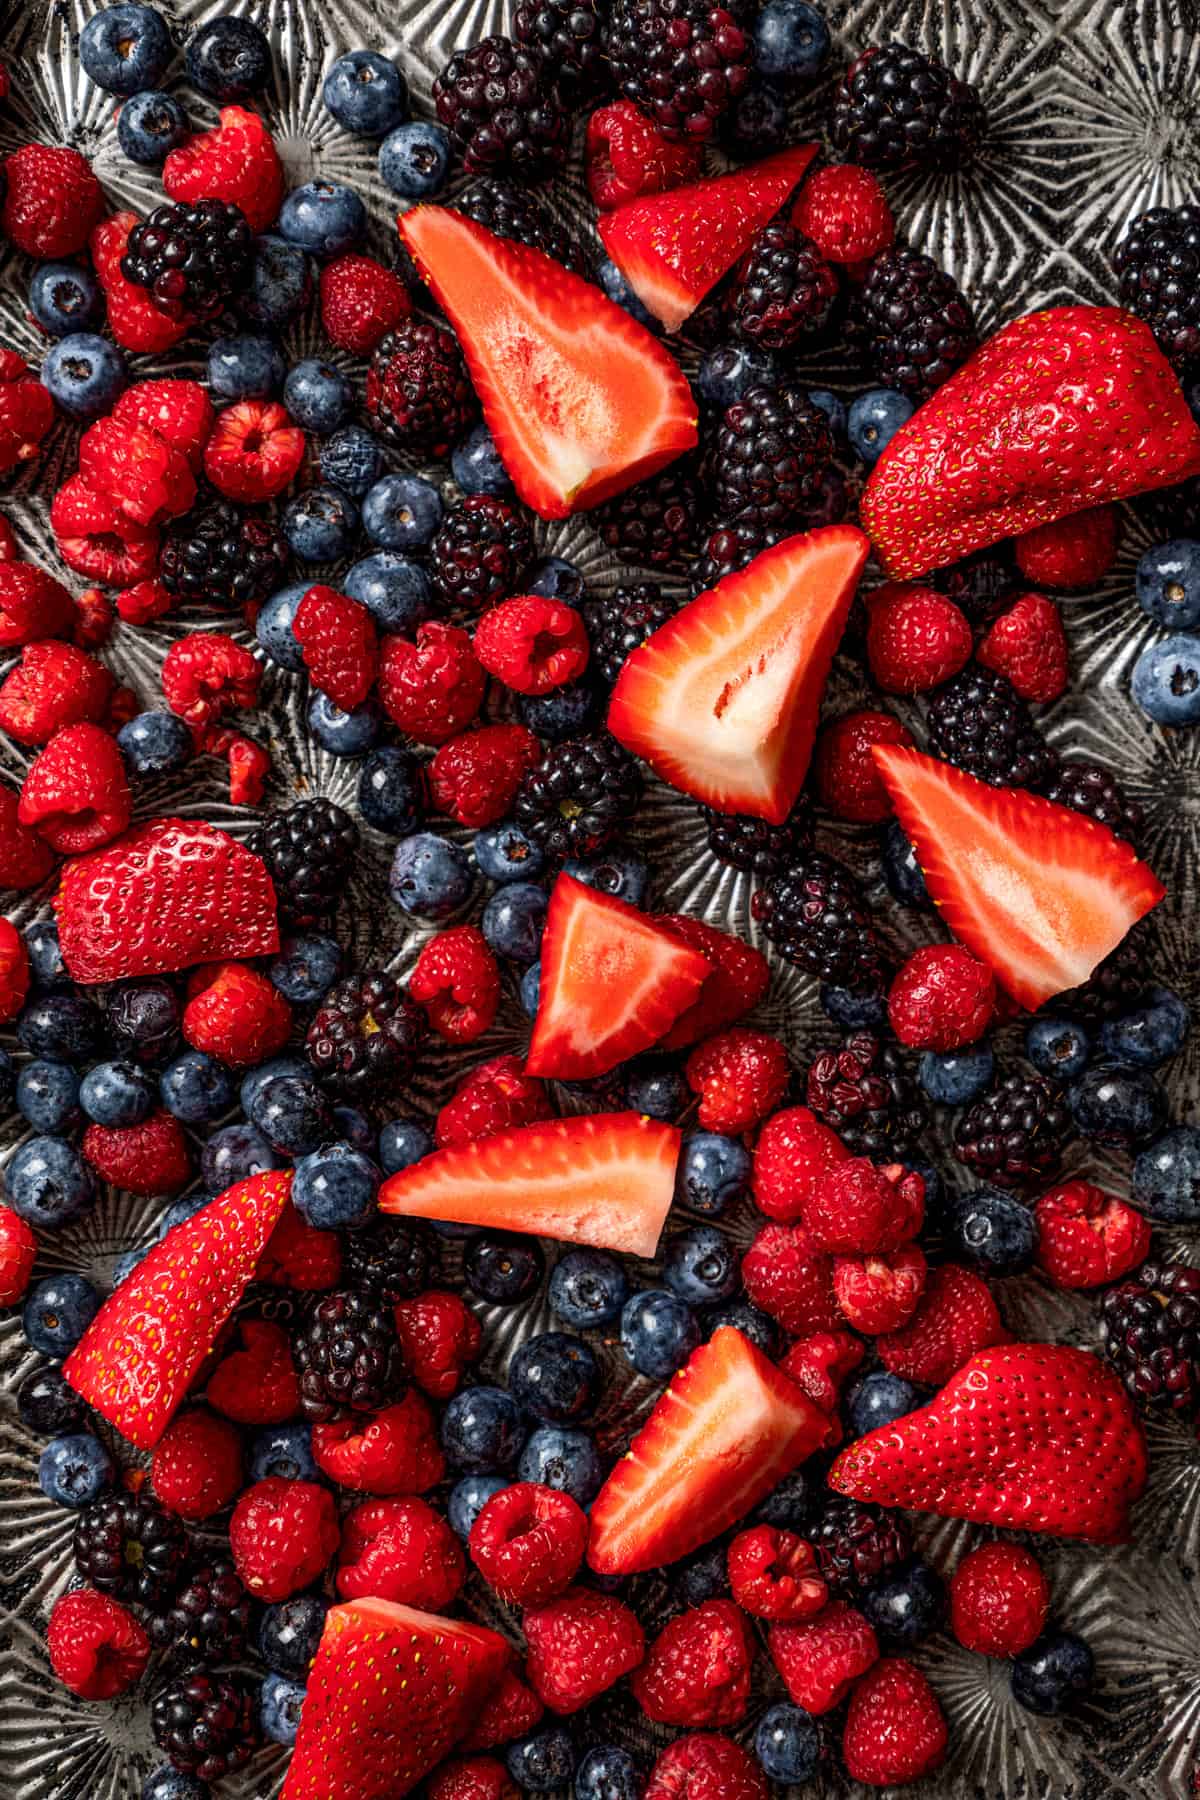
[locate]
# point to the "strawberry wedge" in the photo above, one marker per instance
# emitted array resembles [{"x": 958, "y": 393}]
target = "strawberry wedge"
[
  {"x": 673, "y": 248},
  {"x": 612, "y": 982},
  {"x": 605, "y": 1179},
  {"x": 722, "y": 701},
  {"x": 1039, "y": 892},
  {"x": 581, "y": 400},
  {"x": 727, "y": 1429}
]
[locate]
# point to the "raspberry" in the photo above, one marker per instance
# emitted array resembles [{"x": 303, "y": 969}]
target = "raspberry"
[
  {"x": 791, "y": 1279},
  {"x": 957, "y": 1316},
  {"x": 24, "y": 858},
  {"x": 880, "y": 1291},
  {"x": 916, "y": 638},
  {"x": 76, "y": 792},
  {"x": 439, "y": 1335},
  {"x": 706, "y": 1766},
  {"x": 26, "y": 412},
  {"x": 53, "y": 686},
  {"x": 360, "y": 302},
  {"x": 627, "y": 155},
  {"x": 255, "y": 1383},
  {"x": 457, "y": 981},
  {"x": 53, "y": 200},
  {"x": 95, "y": 538},
  {"x": 400, "y": 1550},
  {"x": 580, "y": 1645},
  {"x": 144, "y": 602},
  {"x": 528, "y": 1543},
  {"x": 697, "y": 1670},
  {"x": 236, "y": 162},
  {"x": 474, "y": 777},
  {"x": 793, "y": 1152},
  {"x": 249, "y": 763},
  {"x": 208, "y": 674},
  {"x": 1075, "y": 552},
  {"x": 773, "y": 1574},
  {"x": 740, "y": 1077},
  {"x": 1027, "y": 644},
  {"x": 150, "y": 1158},
  {"x": 32, "y": 604},
  {"x": 821, "y": 1659},
  {"x": 1087, "y": 1237},
  {"x": 14, "y": 971},
  {"x": 942, "y": 999},
  {"x": 123, "y": 706},
  {"x": 197, "y": 1466},
  {"x": 821, "y": 1363},
  {"x": 497, "y": 1096},
  {"x": 396, "y": 1452},
  {"x": 8, "y": 541},
  {"x": 341, "y": 650},
  {"x": 849, "y": 784},
  {"x": 300, "y": 1256},
  {"x": 510, "y": 1711},
  {"x": 97, "y": 1648},
  {"x": 254, "y": 451},
  {"x": 282, "y": 1534},
  {"x": 895, "y": 1730},
  {"x": 473, "y": 1778},
  {"x": 146, "y": 478},
  {"x": 737, "y": 980},
  {"x": 133, "y": 318},
  {"x": 94, "y": 619},
  {"x": 845, "y": 212},
  {"x": 431, "y": 686},
  {"x": 532, "y": 644},
  {"x": 18, "y": 1246},
  {"x": 856, "y": 1207},
  {"x": 999, "y": 1599},
  {"x": 179, "y": 411}
]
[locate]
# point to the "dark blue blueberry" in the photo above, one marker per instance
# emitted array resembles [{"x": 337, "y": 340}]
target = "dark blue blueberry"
[
  {"x": 166, "y": 1783},
  {"x": 344, "y": 733},
  {"x": 993, "y": 1230},
  {"x": 713, "y": 1172},
  {"x": 1166, "y": 1177},
  {"x": 703, "y": 1576},
  {"x": 481, "y": 1429},
  {"x": 125, "y": 48},
  {"x": 143, "y": 1016},
  {"x": 658, "y": 1332},
  {"x": 124, "y": 1266},
  {"x": 1057, "y": 1047},
  {"x": 180, "y": 1211},
  {"x": 503, "y": 1268},
  {"x": 787, "y": 1742},
  {"x": 880, "y": 1399},
  {"x": 562, "y": 713},
  {"x": 514, "y": 919},
  {"x": 555, "y": 579},
  {"x": 504, "y": 853},
  {"x": 245, "y": 366},
  {"x": 906, "y": 1603},
  {"x": 402, "y": 512},
  {"x": 430, "y": 877},
  {"x": 608, "y": 1773},
  {"x": 74, "y": 1471},
  {"x": 756, "y": 124},
  {"x": 529, "y": 989},
  {"x": 290, "y": 1630},
  {"x": 47, "y": 1096},
  {"x": 555, "y": 1377},
  {"x": 402, "y": 1142},
  {"x": 834, "y": 408},
  {"x": 45, "y": 953},
  {"x": 728, "y": 372},
  {"x": 117, "y": 1093},
  {"x": 48, "y": 1182},
  {"x": 901, "y": 870},
  {"x": 543, "y": 1761},
  {"x": 366, "y": 93},
  {"x": 324, "y": 218},
  {"x": 467, "y": 1500},
  {"x": 317, "y": 395},
  {"x": 284, "y": 1451},
  {"x": 149, "y": 126},
  {"x": 873, "y": 420},
  {"x": 229, "y": 58},
  {"x": 335, "y": 1188},
  {"x": 64, "y": 297},
  {"x": 63, "y": 1027},
  {"x": 352, "y": 458},
  {"x": 563, "y": 1459},
  {"x": 953, "y": 1077},
  {"x": 47, "y": 1405},
  {"x": 701, "y": 1265},
  {"x": 293, "y": 1114},
  {"x": 58, "y": 1311},
  {"x": 280, "y": 283},
  {"x": 658, "y": 1090},
  {"x": 1055, "y": 1671},
  {"x": 255, "y": 1080},
  {"x": 306, "y": 968},
  {"x": 1112, "y": 1105},
  {"x": 854, "y": 1012},
  {"x": 354, "y": 1128},
  {"x": 588, "y": 1288},
  {"x": 396, "y": 590},
  {"x": 273, "y": 627},
  {"x": 1166, "y": 680},
  {"x": 791, "y": 47},
  {"x": 752, "y": 1322},
  {"x": 415, "y": 159},
  {"x": 477, "y": 465},
  {"x": 618, "y": 873},
  {"x": 1167, "y": 583},
  {"x": 279, "y": 1702},
  {"x": 84, "y": 374},
  {"x": 614, "y": 284},
  {"x": 1151, "y": 1034},
  {"x": 234, "y": 1154},
  {"x": 8, "y": 1084},
  {"x": 789, "y": 1504},
  {"x": 156, "y": 743}
]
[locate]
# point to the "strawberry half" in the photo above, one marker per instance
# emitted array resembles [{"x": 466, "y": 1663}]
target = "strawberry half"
[
  {"x": 1039, "y": 892},
  {"x": 604, "y": 1179},
  {"x": 722, "y": 701},
  {"x": 612, "y": 982},
  {"x": 581, "y": 399},
  {"x": 728, "y": 1428}
]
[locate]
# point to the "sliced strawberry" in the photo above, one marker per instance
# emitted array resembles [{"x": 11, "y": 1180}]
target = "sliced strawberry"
[
  {"x": 603, "y": 1178},
  {"x": 673, "y": 248},
  {"x": 738, "y": 977},
  {"x": 581, "y": 400},
  {"x": 1037, "y": 891},
  {"x": 727, "y": 1429},
  {"x": 722, "y": 701}
]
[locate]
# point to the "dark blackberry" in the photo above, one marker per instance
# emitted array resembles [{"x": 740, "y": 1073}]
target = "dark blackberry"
[
  {"x": 511, "y": 211},
  {"x": 910, "y": 322},
  {"x": 208, "y": 1619},
  {"x": 979, "y": 584},
  {"x": 128, "y": 1546},
  {"x": 1114, "y": 987},
  {"x": 683, "y": 62},
  {"x": 479, "y": 551},
  {"x": 896, "y": 108},
  {"x": 657, "y": 523},
  {"x": 768, "y": 456},
  {"x": 206, "y": 1725},
  {"x": 365, "y": 1035},
  {"x": 978, "y": 722},
  {"x": 1087, "y": 787},
  {"x": 347, "y": 1357},
  {"x": 757, "y": 847},
  {"x": 1158, "y": 261},
  {"x": 570, "y": 35},
  {"x": 617, "y": 623},
  {"x": 756, "y": 125},
  {"x": 503, "y": 109},
  {"x": 309, "y": 852},
  {"x": 855, "y": 1543},
  {"x": 1150, "y": 1329},
  {"x": 579, "y": 796},
  {"x": 816, "y": 917},
  {"x": 419, "y": 394},
  {"x": 191, "y": 259},
  {"x": 221, "y": 556},
  {"x": 389, "y": 1262},
  {"x": 730, "y": 545},
  {"x": 861, "y": 1089},
  {"x": 783, "y": 289},
  {"x": 1013, "y": 1136}
]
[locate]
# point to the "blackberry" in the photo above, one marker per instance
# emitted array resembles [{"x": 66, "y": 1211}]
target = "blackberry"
[
  {"x": 783, "y": 289},
  {"x": 511, "y": 211},
  {"x": 365, "y": 1035},
  {"x": 208, "y": 1619},
  {"x": 206, "y": 1725},
  {"x": 221, "y": 556},
  {"x": 479, "y": 551},
  {"x": 898, "y": 109},
  {"x": 855, "y": 1543},
  {"x": 1087, "y": 787},
  {"x": 1158, "y": 261},
  {"x": 191, "y": 258},
  {"x": 389, "y": 1262},
  {"x": 730, "y": 545},
  {"x": 347, "y": 1357},
  {"x": 770, "y": 451},
  {"x": 979, "y": 584},
  {"x": 911, "y": 323},
  {"x": 309, "y": 852},
  {"x": 1113, "y": 988},
  {"x": 579, "y": 796},
  {"x": 1013, "y": 1136},
  {"x": 570, "y": 35},
  {"x": 503, "y": 109},
  {"x": 978, "y": 722},
  {"x": 419, "y": 394},
  {"x": 656, "y": 523},
  {"x": 862, "y": 1090},
  {"x": 617, "y": 623},
  {"x": 757, "y": 847},
  {"x": 816, "y": 917},
  {"x": 1150, "y": 1329},
  {"x": 128, "y": 1546},
  {"x": 683, "y": 62}
]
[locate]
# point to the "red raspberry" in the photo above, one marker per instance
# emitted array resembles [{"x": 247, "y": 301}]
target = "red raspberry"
[
  {"x": 738, "y": 978},
  {"x": 282, "y": 1535},
  {"x": 740, "y": 1076},
  {"x": 957, "y": 1316},
  {"x": 773, "y": 1574},
  {"x": 95, "y": 538},
  {"x": 341, "y": 650},
  {"x": 400, "y": 1550},
  {"x": 474, "y": 777},
  {"x": 239, "y": 1017},
  {"x": 532, "y": 644},
  {"x": 208, "y": 674},
  {"x": 821, "y": 1363},
  {"x": 791, "y": 1279},
  {"x": 144, "y": 602},
  {"x": 249, "y": 763},
  {"x": 18, "y": 1246},
  {"x": 844, "y": 211},
  {"x": 144, "y": 476},
  {"x": 255, "y": 1382},
  {"x": 197, "y": 1466},
  {"x": 396, "y": 1452},
  {"x": 857, "y": 1207},
  {"x": 8, "y": 541},
  {"x": 133, "y": 318},
  {"x": 496, "y": 1096},
  {"x": 895, "y": 1730},
  {"x": 97, "y": 1648},
  {"x": 476, "y": 1778},
  {"x": 706, "y": 1766},
  {"x": 1075, "y": 552},
  {"x": 880, "y": 1292},
  {"x": 1087, "y": 1237},
  {"x": 999, "y": 1599},
  {"x": 916, "y": 638},
  {"x": 821, "y": 1659},
  {"x": 53, "y": 200},
  {"x": 237, "y": 161},
  {"x": 32, "y": 605},
  {"x": 580, "y": 1645},
  {"x": 150, "y": 1158},
  {"x": 626, "y": 155},
  {"x": 697, "y": 1670},
  {"x": 123, "y": 706},
  {"x": 24, "y": 858},
  {"x": 360, "y": 302},
  {"x": 793, "y": 1152},
  {"x": 510, "y": 1711},
  {"x": 457, "y": 981},
  {"x": 76, "y": 793},
  {"x": 942, "y": 998},
  {"x": 179, "y": 411},
  {"x": 26, "y": 413},
  {"x": 528, "y": 1542},
  {"x": 254, "y": 451},
  {"x": 299, "y": 1256},
  {"x": 849, "y": 784},
  {"x": 95, "y": 616},
  {"x": 53, "y": 686},
  {"x": 432, "y": 685},
  {"x": 1027, "y": 643},
  {"x": 14, "y": 971},
  {"x": 439, "y": 1335}
]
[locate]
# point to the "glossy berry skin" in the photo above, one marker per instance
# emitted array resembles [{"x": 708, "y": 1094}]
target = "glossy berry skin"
[
  {"x": 352, "y": 458},
  {"x": 513, "y": 920},
  {"x": 608, "y": 1773},
  {"x": 234, "y": 1154},
  {"x": 505, "y": 853},
  {"x": 502, "y": 1270},
  {"x": 555, "y": 1377},
  {"x": 60, "y": 1026},
  {"x": 555, "y": 579},
  {"x": 701, "y": 1265},
  {"x": 1057, "y": 1047},
  {"x": 156, "y": 743},
  {"x": 992, "y": 1230},
  {"x": 45, "y": 954},
  {"x": 476, "y": 464},
  {"x": 1166, "y": 680},
  {"x": 542, "y": 1762},
  {"x": 46, "y": 1405},
  {"x": 229, "y": 59},
  {"x": 58, "y": 1311},
  {"x": 873, "y": 420},
  {"x": 999, "y": 1598},
  {"x": 564, "y": 712},
  {"x": 284, "y": 1451},
  {"x": 658, "y": 1332},
  {"x": 787, "y": 1742},
  {"x": 906, "y": 1603},
  {"x": 402, "y": 1142},
  {"x": 343, "y": 733},
  {"x": 323, "y": 218},
  {"x": 1167, "y": 584},
  {"x": 335, "y": 1188},
  {"x": 712, "y": 1174},
  {"x": 125, "y": 48},
  {"x": 880, "y": 1399},
  {"x": 954, "y": 1077},
  {"x": 149, "y": 126},
  {"x": 401, "y": 512},
  {"x": 1166, "y": 1177},
  {"x": 587, "y": 1289},
  {"x": 74, "y": 1470},
  {"x": 47, "y": 1096},
  {"x": 1117, "y": 1106},
  {"x": 280, "y": 282},
  {"x": 117, "y": 1093},
  {"x": 566, "y": 1460},
  {"x": 394, "y": 589},
  {"x": 791, "y": 47},
  {"x": 84, "y": 374},
  {"x": 659, "y": 1092},
  {"x": 306, "y": 968},
  {"x": 245, "y": 366},
  {"x": 280, "y": 1701},
  {"x": 366, "y": 93},
  {"x": 64, "y": 297},
  {"x": 611, "y": 281},
  {"x": 289, "y": 1632},
  {"x": 481, "y": 1429},
  {"x": 1151, "y": 1034},
  {"x": 430, "y": 877},
  {"x": 166, "y": 1783},
  {"x": 317, "y": 395},
  {"x": 1052, "y": 1674},
  {"x": 48, "y": 1183},
  {"x": 468, "y": 1498},
  {"x": 901, "y": 870},
  {"x": 414, "y": 160}
]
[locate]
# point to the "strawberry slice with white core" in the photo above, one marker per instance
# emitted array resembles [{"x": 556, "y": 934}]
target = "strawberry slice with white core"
[
  {"x": 722, "y": 701},
  {"x": 1039, "y": 892}
]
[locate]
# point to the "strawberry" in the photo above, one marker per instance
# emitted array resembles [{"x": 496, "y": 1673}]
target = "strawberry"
[
  {"x": 396, "y": 1452},
  {"x": 76, "y": 792},
  {"x": 255, "y": 1383},
  {"x": 254, "y": 451},
  {"x": 138, "y": 1357},
  {"x": 999, "y": 1600},
  {"x": 581, "y": 400},
  {"x": 673, "y": 248},
  {"x": 399, "y": 1550},
  {"x": 895, "y": 1730},
  {"x": 24, "y": 858},
  {"x": 821, "y": 1363},
  {"x": 237, "y": 162},
  {"x": 133, "y": 318},
  {"x": 738, "y": 977},
  {"x": 916, "y": 638},
  {"x": 179, "y": 411},
  {"x": 1034, "y": 1437},
  {"x": 722, "y": 700},
  {"x": 1028, "y": 644},
  {"x": 26, "y": 414},
  {"x": 791, "y": 1279},
  {"x": 18, "y": 1251},
  {"x": 942, "y": 998},
  {"x": 845, "y": 212},
  {"x": 820, "y": 1659},
  {"x": 150, "y": 1158},
  {"x": 794, "y": 1151},
  {"x": 602, "y": 1178},
  {"x": 848, "y": 783},
  {"x": 341, "y": 650},
  {"x": 580, "y": 1645},
  {"x": 1075, "y": 552},
  {"x": 881, "y": 1290},
  {"x": 168, "y": 894},
  {"x": 967, "y": 470},
  {"x": 612, "y": 982},
  {"x": 32, "y": 605},
  {"x": 726, "y": 1430},
  {"x": 1087, "y": 1237},
  {"x": 706, "y": 1765},
  {"x": 389, "y": 1692},
  {"x": 957, "y": 1316},
  {"x": 147, "y": 478},
  {"x": 96, "y": 539},
  {"x": 52, "y": 199},
  {"x": 626, "y": 155},
  {"x": 360, "y": 302},
  {"x": 1040, "y": 893},
  {"x": 697, "y": 1670}
]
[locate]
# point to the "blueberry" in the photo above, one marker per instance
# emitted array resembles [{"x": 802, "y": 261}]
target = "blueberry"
[
  {"x": 1052, "y": 1673},
  {"x": 47, "y": 1405},
  {"x": 834, "y": 408},
  {"x": 953, "y": 1077},
  {"x": 901, "y": 870},
  {"x": 84, "y": 374},
  {"x": 557, "y": 1457},
  {"x": 335, "y": 1188},
  {"x": 75, "y": 1470},
  {"x": 658, "y": 1090},
  {"x": 166, "y": 1783},
  {"x": 587, "y": 1288},
  {"x": 280, "y": 283},
  {"x": 352, "y": 458},
  {"x": 143, "y": 1016},
  {"x": 752, "y": 1322},
  {"x": 293, "y": 1114},
  {"x": 8, "y": 1084},
  {"x": 324, "y": 218},
  {"x": 125, "y": 48},
  {"x": 414, "y": 160},
  {"x": 317, "y": 395},
  {"x": 124, "y": 1266},
  {"x": 468, "y": 1498},
  {"x": 1167, "y": 583},
  {"x": 320, "y": 524},
  {"x": 756, "y": 124},
  {"x": 245, "y": 366},
  {"x": 503, "y": 1269},
  {"x": 787, "y": 1742},
  {"x": 562, "y": 713},
  {"x": 477, "y": 466},
  {"x": 430, "y": 877},
  {"x": 284, "y": 1451},
  {"x": 290, "y": 1630},
  {"x": 789, "y": 1504},
  {"x": 1166, "y": 680},
  {"x": 156, "y": 743},
  {"x": 728, "y": 372},
  {"x": 366, "y": 93},
  {"x": 791, "y": 47},
  {"x": 555, "y": 579},
  {"x": 234, "y": 1154},
  {"x": 45, "y": 953},
  {"x": 1117, "y": 1106},
  {"x": 344, "y": 733},
  {"x": 611, "y": 281},
  {"x": 354, "y": 1128},
  {"x": 229, "y": 59},
  {"x": 273, "y": 627},
  {"x": 117, "y": 1093},
  {"x": 702, "y": 1576},
  {"x": 514, "y": 919},
  {"x": 543, "y": 1761},
  {"x": 658, "y": 1332},
  {"x": 712, "y": 1174},
  {"x": 402, "y": 512},
  {"x": 701, "y": 1265},
  {"x": 625, "y": 877},
  {"x": 906, "y": 1603},
  {"x": 1151, "y": 1034},
  {"x": 255, "y": 1080},
  {"x": 529, "y": 989},
  {"x": 608, "y": 1773},
  {"x": 180, "y": 1211},
  {"x": 402, "y": 1142},
  {"x": 481, "y": 1429},
  {"x": 61, "y": 1026},
  {"x": 1057, "y": 1047},
  {"x": 47, "y": 1096},
  {"x": 58, "y": 1311},
  {"x": 854, "y": 1012},
  {"x": 873, "y": 420},
  {"x": 279, "y": 1701},
  {"x": 306, "y": 968},
  {"x": 504, "y": 853},
  {"x": 394, "y": 589},
  {"x": 63, "y": 297},
  {"x": 555, "y": 1377},
  {"x": 48, "y": 1182},
  {"x": 880, "y": 1399},
  {"x": 993, "y": 1230},
  {"x": 149, "y": 126},
  {"x": 1166, "y": 1177}
]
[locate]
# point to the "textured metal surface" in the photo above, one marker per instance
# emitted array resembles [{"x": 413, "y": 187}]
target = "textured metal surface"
[{"x": 1095, "y": 110}]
